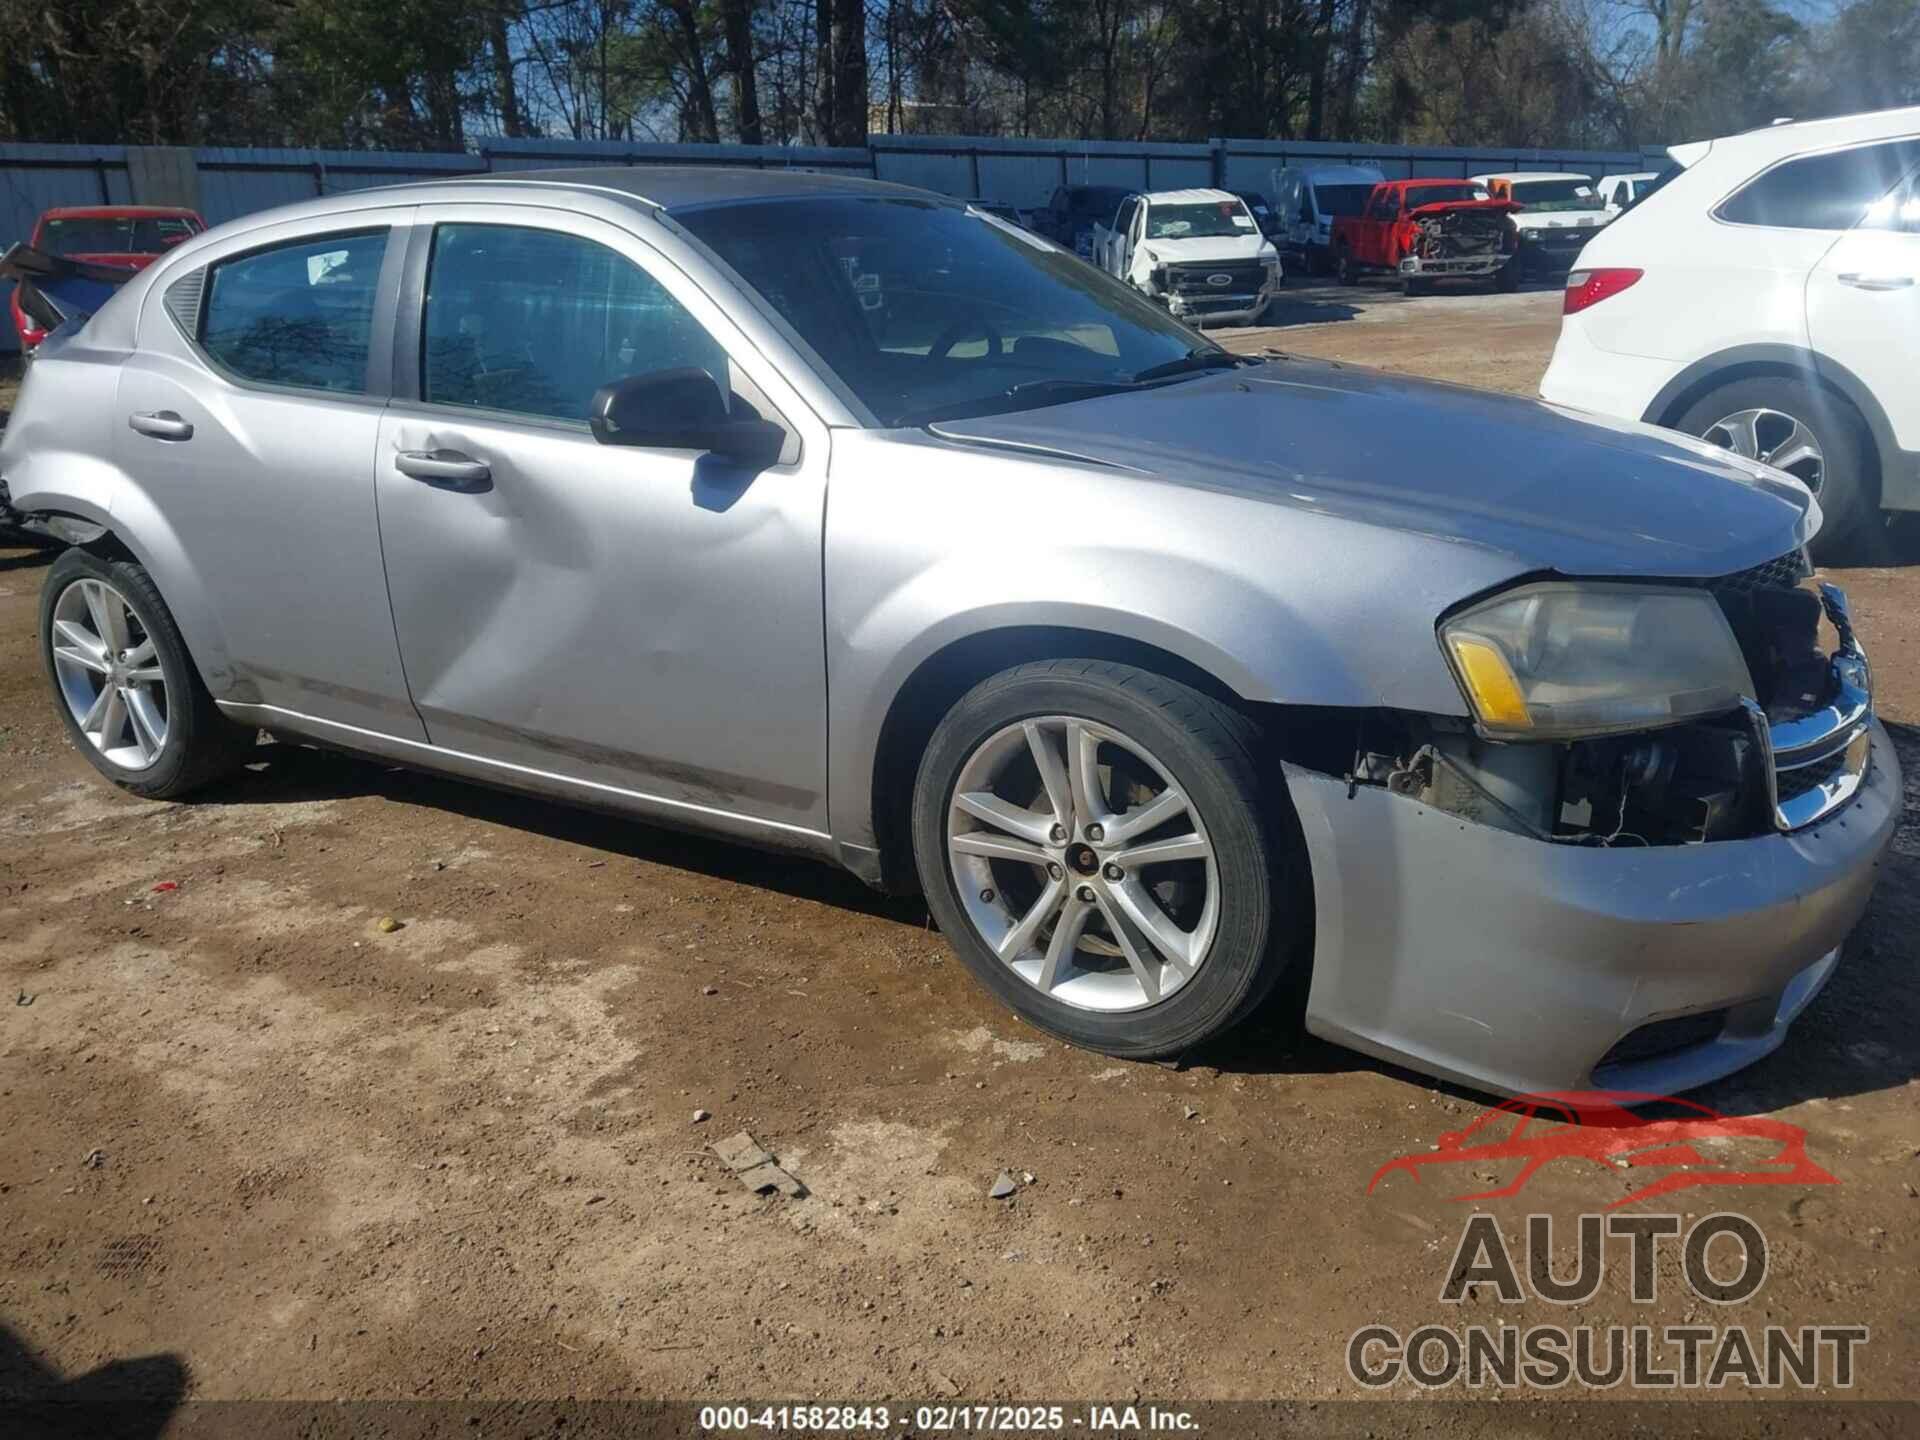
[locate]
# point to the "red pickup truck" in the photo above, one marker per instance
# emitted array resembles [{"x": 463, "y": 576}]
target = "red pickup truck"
[
  {"x": 1427, "y": 230},
  {"x": 124, "y": 237}
]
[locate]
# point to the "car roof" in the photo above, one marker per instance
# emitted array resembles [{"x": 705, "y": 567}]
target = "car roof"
[
  {"x": 119, "y": 212},
  {"x": 689, "y": 187},
  {"x": 1799, "y": 137},
  {"x": 1533, "y": 175},
  {"x": 1353, "y": 174},
  {"x": 1187, "y": 197}
]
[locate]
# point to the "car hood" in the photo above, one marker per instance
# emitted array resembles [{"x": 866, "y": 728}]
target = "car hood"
[
  {"x": 1555, "y": 489},
  {"x": 1204, "y": 248},
  {"x": 1448, "y": 207}
]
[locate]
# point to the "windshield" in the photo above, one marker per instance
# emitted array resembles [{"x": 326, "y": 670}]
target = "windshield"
[
  {"x": 146, "y": 235},
  {"x": 1189, "y": 222},
  {"x": 1558, "y": 195},
  {"x": 920, "y": 308},
  {"x": 1341, "y": 199},
  {"x": 1418, "y": 195}
]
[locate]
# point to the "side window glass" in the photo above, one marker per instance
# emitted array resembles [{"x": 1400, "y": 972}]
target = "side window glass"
[
  {"x": 1899, "y": 210},
  {"x": 1835, "y": 191},
  {"x": 535, "y": 321},
  {"x": 299, "y": 314}
]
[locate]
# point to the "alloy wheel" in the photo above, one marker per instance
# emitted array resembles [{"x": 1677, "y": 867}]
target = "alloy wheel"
[
  {"x": 110, "y": 674},
  {"x": 1773, "y": 438},
  {"x": 1082, "y": 864}
]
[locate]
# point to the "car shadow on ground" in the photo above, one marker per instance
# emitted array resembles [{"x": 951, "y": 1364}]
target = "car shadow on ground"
[
  {"x": 284, "y": 773},
  {"x": 34, "y": 557},
  {"x": 120, "y": 1400},
  {"x": 1856, "y": 1037}
]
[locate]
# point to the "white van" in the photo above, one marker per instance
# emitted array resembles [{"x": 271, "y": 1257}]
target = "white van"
[{"x": 1305, "y": 200}]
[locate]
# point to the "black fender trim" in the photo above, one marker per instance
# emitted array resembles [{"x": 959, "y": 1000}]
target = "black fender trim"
[{"x": 1899, "y": 469}]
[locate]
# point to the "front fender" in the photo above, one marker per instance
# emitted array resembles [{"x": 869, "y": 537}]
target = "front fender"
[{"x": 929, "y": 544}]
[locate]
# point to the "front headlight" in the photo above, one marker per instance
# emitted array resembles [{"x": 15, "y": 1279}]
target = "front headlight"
[{"x": 1561, "y": 661}]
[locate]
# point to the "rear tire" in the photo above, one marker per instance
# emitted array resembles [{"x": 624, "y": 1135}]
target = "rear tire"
[
  {"x": 158, "y": 734},
  {"x": 1344, "y": 269},
  {"x": 1756, "y": 417},
  {"x": 1168, "y": 986}
]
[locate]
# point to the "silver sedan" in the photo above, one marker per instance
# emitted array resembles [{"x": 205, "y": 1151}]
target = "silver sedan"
[{"x": 845, "y": 518}]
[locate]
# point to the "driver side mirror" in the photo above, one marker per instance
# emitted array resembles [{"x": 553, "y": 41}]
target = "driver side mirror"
[{"x": 682, "y": 409}]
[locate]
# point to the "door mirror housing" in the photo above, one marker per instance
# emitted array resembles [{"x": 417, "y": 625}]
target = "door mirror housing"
[{"x": 682, "y": 409}]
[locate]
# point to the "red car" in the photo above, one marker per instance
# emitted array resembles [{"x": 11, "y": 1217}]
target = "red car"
[
  {"x": 1427, "y": 230},
  {"x": 128, "y": 237},
  {"x": 1697, "y": 1147}
]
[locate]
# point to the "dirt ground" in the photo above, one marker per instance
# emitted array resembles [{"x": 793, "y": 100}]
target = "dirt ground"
[{"x": 245, "y": 1127}]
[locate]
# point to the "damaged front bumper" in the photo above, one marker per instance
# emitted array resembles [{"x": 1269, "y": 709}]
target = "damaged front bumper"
[
  {"x": 1514, "y": 965},
  {"x": 1517, "y": 963},
  {"x": 1458, "y": 267}
]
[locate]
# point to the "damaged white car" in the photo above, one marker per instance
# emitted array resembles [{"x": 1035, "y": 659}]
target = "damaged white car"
[{"x": 1198, "y": 252}]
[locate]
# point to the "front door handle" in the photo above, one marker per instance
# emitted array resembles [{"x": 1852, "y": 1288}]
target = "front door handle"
[
  {"x": 1877, "y": 282},
  {"x": 161, "y": 425},
  {"x": 446, "y": 468}
]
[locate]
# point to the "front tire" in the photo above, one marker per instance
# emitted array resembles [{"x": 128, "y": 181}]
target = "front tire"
[
  {"x": 1812, "y": 435},
  {"x": 1506, "y": 280},
  {"x": 1097, "y": 845},
  {"x": 123, "y": 684}
]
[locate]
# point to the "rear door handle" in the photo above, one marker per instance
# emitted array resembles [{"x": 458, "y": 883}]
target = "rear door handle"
[
  {"x": 1877, "y": 282},
  {"x": 161, "y": 425},
  {"x": 449, "y": 469}
]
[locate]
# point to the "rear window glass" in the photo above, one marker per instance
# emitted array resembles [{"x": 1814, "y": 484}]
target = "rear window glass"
[
  {"x": 299, "y": 315},
  {"x": 108, "y": 235},
  {"x": 1418, "y": 195},
  {"x": 1341, "y": 199},
  {"x": 1833, "y": 191}
]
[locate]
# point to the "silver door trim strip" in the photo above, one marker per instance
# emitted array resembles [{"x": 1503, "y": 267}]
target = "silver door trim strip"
[{"x": 253, "y": 711}]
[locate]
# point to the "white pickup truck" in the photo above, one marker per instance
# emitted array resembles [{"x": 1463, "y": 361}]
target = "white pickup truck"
[{"x": 1198, "y": 252}]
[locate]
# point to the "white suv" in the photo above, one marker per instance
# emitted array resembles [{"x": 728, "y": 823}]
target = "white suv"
[{"x": 1768, "y": 299}]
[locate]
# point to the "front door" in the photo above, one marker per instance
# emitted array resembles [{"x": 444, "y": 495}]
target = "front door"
[
  {"x": 643, "y": 626},
  {"x": 1863, "y": 307}
]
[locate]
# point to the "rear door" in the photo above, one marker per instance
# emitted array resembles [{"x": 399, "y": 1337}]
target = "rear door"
[
  {"x": 642, "y": 627},
  {"x": 249, "y": 414},
  {"x": 1863, "y": 306}
]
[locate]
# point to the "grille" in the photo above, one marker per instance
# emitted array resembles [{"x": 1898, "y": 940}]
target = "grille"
[
  {"x": 1784, "y": 572},
  {"x": 1777, "y": 624},
  {"x": 1797, "y": 782},
  {"x": 1664, "y": 1037},
  {"x": 1192, "y": 279}
]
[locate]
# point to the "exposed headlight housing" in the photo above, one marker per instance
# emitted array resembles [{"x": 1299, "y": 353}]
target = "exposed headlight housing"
[{"x": 1561, "y": 661}]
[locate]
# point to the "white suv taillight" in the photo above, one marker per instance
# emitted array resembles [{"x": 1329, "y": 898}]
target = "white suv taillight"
[{"x": 1589, "y": 287}]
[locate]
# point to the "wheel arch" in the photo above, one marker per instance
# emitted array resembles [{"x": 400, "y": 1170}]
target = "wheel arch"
[
  {"x": 135, "y": 530},
  {"x": 946, "y": 674},
  {"x": 1749, "y": 362}
]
